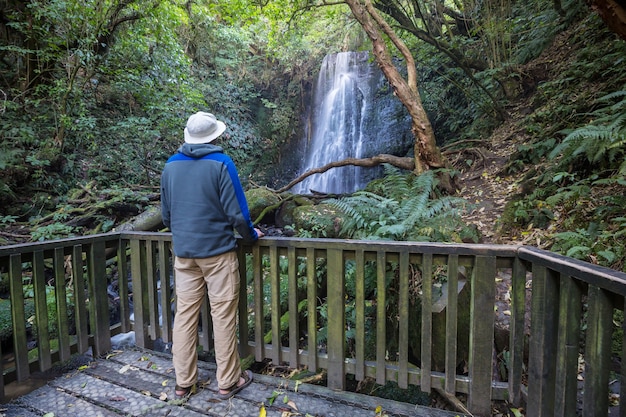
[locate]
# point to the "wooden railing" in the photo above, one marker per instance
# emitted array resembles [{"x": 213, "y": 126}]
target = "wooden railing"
[{"x": 320, "y": 304}]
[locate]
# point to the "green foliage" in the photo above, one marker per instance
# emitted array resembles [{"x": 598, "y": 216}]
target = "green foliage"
[
  {"x": 51, "y": 303},
  {"x": 602, "y": 143},
  {"x": 50, "y": 232},
  {"x": 6, "y": 320},
  {"x": 400, "y": 207}
]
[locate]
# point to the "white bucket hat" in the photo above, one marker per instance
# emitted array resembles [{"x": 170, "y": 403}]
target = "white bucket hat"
[{"x": 203, "y": 128}]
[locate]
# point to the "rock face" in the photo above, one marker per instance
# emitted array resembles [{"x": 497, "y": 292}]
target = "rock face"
[{"x": 353, "y": 114}]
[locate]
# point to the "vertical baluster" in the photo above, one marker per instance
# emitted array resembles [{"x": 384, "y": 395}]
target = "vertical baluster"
[
  {"x": 360, "y": 315},
  {"x": 311, "y": 295},
  {"x": 597, "y": 353},
  {"x": 275, "y": 304},
  {"x": 427, "y": 321},
  {"x": 543, "y": 342},
  {"x": 568, "y": 347},
  {"x": 80, "y": 299},
  {"x": 151, "y": 293},
  {"x": 206, "y": 333},
  {"x": 381, "y": 317},
  {"x": 18, "y": 315},
  {"x": 294, "y": 330},
  {"x": 517, "y": 335},
  {"x": 165, "y": 267},
  {"x": 259, "y": 316},
  {"x": 99, "y": 299},
  {"x": 483, "y": 294},
  {"x": 403, "y": 322},
  {"x": 622, "y": 387},
  {"x": 41, "y": 311},
  {"x": 61, "y": 304},
  {"x": 122, "y": 283},
  {"x": 452, "y": 310},
  {"x": 243, "y": 304},
  {"x": 137, "y": 265},
  {"x": 336, "y": 319}
]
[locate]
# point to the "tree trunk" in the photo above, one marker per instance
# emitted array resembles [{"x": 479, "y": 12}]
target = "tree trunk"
[
  {"x": 396, "y": 161},
  {"x": 427, "y": 154},
  {"x": 613, "y": 13}
]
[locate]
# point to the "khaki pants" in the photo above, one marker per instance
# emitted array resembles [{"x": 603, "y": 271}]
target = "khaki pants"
[{"x": 219, "y": 275}]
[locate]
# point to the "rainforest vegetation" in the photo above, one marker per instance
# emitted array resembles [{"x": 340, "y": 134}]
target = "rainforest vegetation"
[{"x": 94, "y": 96}]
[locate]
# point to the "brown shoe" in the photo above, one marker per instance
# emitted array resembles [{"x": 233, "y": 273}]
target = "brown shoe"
[{"x": 247, "y": 378}]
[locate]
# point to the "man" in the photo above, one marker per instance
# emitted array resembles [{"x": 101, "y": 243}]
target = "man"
[{"x": 202, "y": 201}]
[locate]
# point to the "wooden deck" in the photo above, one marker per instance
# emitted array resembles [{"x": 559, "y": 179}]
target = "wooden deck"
[{"x": 141, "y": 383}]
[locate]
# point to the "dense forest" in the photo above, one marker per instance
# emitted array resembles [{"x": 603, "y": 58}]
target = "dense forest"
[{"x": 94, "y": 96}]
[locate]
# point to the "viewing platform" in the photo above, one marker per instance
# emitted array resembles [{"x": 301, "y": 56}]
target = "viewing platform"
[
  {"x": 410, "y": 314},
  {"x": 141, "y": 383}
]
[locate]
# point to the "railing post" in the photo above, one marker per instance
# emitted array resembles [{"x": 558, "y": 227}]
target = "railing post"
[
  {"x": 294, "y": 330},
  {"x": 336, "y": 320},
  {"x": 427, "y": 323},
  {"x": 259, "y": 331},
  {"x": 61, "y": 304},
  {"x": 138, "y": 268},
  {"x": 568, "y": 347},
  {"x": 597, "y": 353},
  {"x": 311, "y": 295},
  {"x": 543, "y": 343},
  {"x": 41, "y": 312},
  {"x": 80, "y": 302},
  {"x": 275, "y": 305},
  {"x": 99, "y": 299},
  {"x": 517, "y": 338},
  {"x": 452, "y": 312},
  {"x": 381, "y": 317},
  {"x": 481, "y": 335},
  {"x": 18, "y": 317}
]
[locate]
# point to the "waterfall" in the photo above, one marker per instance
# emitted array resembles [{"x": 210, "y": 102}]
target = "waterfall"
[{"x": 347, "y": 122}]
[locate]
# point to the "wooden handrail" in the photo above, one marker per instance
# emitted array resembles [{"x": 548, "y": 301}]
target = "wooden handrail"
[{"x": 320, "y": 303}]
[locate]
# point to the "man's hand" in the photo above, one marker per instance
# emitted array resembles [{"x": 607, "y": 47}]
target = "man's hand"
[{"x": 259, "y": 232}]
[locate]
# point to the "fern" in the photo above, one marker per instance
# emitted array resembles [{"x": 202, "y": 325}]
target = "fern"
[
  {"x": 402, "y": 207},
  {"x": 602, "y": 143}
]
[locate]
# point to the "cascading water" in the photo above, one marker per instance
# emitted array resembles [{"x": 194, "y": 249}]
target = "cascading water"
[{"x": 347, "y": 122}]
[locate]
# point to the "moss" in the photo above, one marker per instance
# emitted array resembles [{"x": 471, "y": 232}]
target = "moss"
[
  {"x": 259, "y": 199},
  {"x": 321, "y": 220}
]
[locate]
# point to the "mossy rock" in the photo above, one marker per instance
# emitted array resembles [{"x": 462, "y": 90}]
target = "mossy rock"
[
  {"x": 259, "y": 199},
  {"x": 284, "y": 215},
  {"x": 321, "y": 220}
]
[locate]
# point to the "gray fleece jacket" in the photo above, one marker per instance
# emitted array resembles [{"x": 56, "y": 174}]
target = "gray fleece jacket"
[{"x": 202, "y": 201}]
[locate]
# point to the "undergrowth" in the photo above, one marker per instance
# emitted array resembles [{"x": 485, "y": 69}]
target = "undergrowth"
[{"x": 404, "y": 207}]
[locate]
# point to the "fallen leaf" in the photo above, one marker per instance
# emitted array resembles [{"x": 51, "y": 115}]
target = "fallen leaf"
[
  {"x": 262, "y": 412},
  {"x": 117, "y": 398},
  {"x": 297, "y": 385},
  {"x": 148, "y": 393},
  {"x": 124, "y": 369},
  {"x": 163, "y": 396},
  {"x": 292, "y": 405},
  {"x": 164, "y": 383},
  {"x": 48, "y": 415}
]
